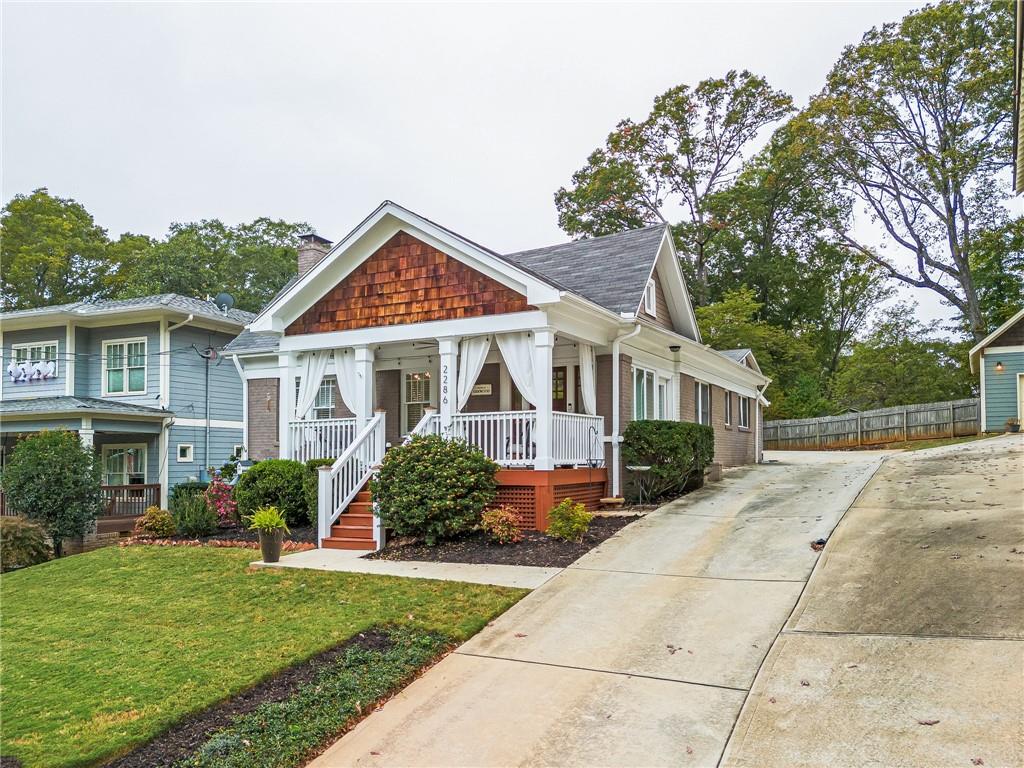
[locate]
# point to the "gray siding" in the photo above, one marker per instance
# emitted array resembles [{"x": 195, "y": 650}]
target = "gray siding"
[
  {"x": 188, "y": 377},
  {"x": 1001, "y": 388},
  {"x": 221, "y": 443},
  {"x": 48, "y": 388},
  {"x": 91, "y": 384}
]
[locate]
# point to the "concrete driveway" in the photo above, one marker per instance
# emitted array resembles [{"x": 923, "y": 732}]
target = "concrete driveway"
[
  {"x": 907, "y": 647},
  {"x": 642, "y": 652}
]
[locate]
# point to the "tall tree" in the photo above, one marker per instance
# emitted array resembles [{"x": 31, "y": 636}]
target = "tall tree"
[
  {"x": 689, "y": 147},
  {"x": 51, "y": 250},
  {"x": 997, "y": 265},
  {"x": 914, "y": 122}
]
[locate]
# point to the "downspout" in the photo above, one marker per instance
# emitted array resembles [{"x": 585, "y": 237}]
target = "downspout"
[
  {"x": 245, "y": 407},
  {"x": 616, "y": 400},
  {"x": 186, "y": 321}
]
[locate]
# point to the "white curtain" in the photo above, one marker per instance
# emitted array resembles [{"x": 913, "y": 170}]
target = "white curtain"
[
  {"x": 518, "y": 352},
  {"x": 472, "y": 354},
  {"x": 314, "y": 364},
  {"x": 348, "y": 380},
  {"x": 588, "y": 386}
]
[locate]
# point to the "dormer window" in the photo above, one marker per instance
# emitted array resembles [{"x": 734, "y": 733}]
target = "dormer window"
[{"x": 650, "y": 302}]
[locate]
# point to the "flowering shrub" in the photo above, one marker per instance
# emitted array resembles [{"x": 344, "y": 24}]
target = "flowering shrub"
[
  {"x": 568, "y": 521},
  {"x": 220, "y": 501},
  {"x": 501, "y": 524},
  {"x": 155, "y": 522}
]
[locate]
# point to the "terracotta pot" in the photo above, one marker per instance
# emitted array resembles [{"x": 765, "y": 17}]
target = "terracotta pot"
[{"x": 270, "y": 545}]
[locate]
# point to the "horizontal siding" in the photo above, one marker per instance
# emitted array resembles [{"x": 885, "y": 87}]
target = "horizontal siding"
[
  {"x": 16, "y": 426},
  {"x": 188, "y": 377},
  {"x": 221, "y": 442},
  {"x": 1001, "y": 388},
  {"x": 48, "y": 388},
  {"x": 89, "y": 379}
]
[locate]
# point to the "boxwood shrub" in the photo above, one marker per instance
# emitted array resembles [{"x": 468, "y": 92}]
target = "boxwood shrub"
[
  {"x": 274, "y": 483},
  {"x": 676, "y": 451},
  {"x": 433, "y": 488}
]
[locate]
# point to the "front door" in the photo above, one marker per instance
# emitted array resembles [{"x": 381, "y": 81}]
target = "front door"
[{"x": 559, "y": 388}]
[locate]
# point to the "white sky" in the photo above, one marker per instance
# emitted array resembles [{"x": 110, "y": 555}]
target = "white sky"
[{"x": 472, "y": 115}]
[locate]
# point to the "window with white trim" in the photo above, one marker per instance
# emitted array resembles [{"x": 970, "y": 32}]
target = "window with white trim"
[
  {"x": 417, "y": 398},
  {"x": 124, "y": 464},
  {"x": 42, "y": 353},
  {"x": 663, "y": 398},
  {"x": 236, "y": 452},
  {"x": 124, "y": 366},
  {"x": 651, "y": 299},
  {"x": 323, "y": 404},
  {"x": 702, "y": 402},
  {"x": 727, "y": 413},
  {"x": 745, "y": 412},
  {"x": 184, "y": 453},
  {"x": 643, "y": 394}
]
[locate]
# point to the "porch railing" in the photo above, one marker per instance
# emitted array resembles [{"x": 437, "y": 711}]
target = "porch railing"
[
  {"x": 347, "y": 476},
  {"x": 320, "y": 438},
  {"x": 577, "y": 438},
  {"x": 129, "y": 500}
]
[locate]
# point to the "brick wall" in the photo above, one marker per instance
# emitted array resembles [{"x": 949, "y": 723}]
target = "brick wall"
[
  {"x": 263, "y": 424},
  {"x": 687, "y": 404},
  {"x": 388, "y": 395},
  {"x": 733, "y": 446},
  {"x": 603, "y": 373}
]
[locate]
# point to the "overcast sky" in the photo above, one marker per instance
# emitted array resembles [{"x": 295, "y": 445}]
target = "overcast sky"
[{"x": 472, "y": 115}]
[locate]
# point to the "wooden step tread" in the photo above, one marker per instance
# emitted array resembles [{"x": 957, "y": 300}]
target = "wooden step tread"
[
  {"x": 351, "y": 532},
  {"x": 340, "y": 542}
]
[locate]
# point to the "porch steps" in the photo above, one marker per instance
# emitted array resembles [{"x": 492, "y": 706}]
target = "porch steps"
[{"x": 354, "y": 528}]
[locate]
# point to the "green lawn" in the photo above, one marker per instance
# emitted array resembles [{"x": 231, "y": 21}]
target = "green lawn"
[{"x": 103, "y": 651}]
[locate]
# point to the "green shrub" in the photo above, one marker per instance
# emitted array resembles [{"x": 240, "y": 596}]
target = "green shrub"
[
  {"x": 568, "y": 521},
  {"x": 187, "y": 488},
  {"x": 193, "y": 516},
  {"x": 311, "y": 485},
  {"x": 501, "y": 524},
  {"x": 677, "y": 452},
  {"x": 22, "y": 543},
  {"x": 274, "y": 483},
  {"x": 155, "y": 522},
  {"x": 53, "y": 480},
  {"x": 433, "y": 488}
]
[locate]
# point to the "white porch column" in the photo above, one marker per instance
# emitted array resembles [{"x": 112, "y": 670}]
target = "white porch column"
[
  {"x": 287, "y": 364},
  {"x": 448, "y": 349},
  {"x": 544, "y": 343},
  {"x": 364, "y": 385},
  {"x": 86, "y": 434}
]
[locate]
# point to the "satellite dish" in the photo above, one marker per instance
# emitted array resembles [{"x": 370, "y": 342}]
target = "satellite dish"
[{"x": 224, "y": 301}]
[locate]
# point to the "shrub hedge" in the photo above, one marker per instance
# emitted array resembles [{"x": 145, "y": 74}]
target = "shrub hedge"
[
  {"x": 433, "y": 488},
  {"x": 677, "y": 452},
  {"x": 22, "y": 543},
  {"x": 274, "y": 483},
  {"x": 193, "y": 516},
  {"x": 155, "y": 522}
]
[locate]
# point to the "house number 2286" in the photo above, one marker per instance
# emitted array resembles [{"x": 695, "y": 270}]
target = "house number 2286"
[{"x": 444, "y": 384}]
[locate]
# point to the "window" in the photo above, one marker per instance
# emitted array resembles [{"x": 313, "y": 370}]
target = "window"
[
  {"x": 702, "y": 402},
  {"x": 745, "y": 412},
  {"x": 417, "y": 397},
  {"x": 323, "y": 405},
  {"x": 184, "y": 452},
  {"x": 124, "y": 464},
  {"x": 728, "y": 408},
  {"x": 236, "y": 452},
  {"x": 650, "y": 299},
  {"x": 663, "y": 398},
  {"x": 39, "y": 357},
  {"x": 643, "y": 394},
  {"x": 124, "y": 368}
]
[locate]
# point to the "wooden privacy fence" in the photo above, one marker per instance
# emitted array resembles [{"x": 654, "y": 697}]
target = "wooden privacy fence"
[{"x": 878, "y": 427}]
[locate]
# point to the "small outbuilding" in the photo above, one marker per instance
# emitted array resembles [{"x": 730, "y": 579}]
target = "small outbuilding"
[{"x": 999, "y": 358}]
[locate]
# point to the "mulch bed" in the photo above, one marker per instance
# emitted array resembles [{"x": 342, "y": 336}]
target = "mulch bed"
[
  {"x": 299, "y": 539},
  {"x": 535, "y": 549},
  {"x": 185, "y": 738}
]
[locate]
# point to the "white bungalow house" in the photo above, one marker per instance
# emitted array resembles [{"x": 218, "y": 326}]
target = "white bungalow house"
[{"x": 541, "y": 358}]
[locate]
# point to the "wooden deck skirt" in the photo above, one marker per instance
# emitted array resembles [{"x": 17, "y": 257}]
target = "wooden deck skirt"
[{"x": 532, "y": 493}]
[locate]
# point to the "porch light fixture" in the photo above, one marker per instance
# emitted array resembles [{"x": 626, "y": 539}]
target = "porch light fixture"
[
  {"x": 999, "y": 366},
  {"x": 674, "y": 348}
]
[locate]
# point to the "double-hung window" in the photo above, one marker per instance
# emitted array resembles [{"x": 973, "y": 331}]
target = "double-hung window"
[
  {"x": 39, "y": 353},
  {"x": 745, "y": 412},
  {"x": 124, "y": 366},
  {"x": 643, "y": 394},
  {"x": 124, "y": 464},
  {"x": 323, "y": 404},
  {"x": 417, "y": 397},
  {"x": 702, "y": 402},
  {"x": 727, "y": 413}
]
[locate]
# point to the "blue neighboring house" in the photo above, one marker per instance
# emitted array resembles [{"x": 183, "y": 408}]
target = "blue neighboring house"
[
  {"x": 141, "y": 380},
  {"x": 999, "y": 360}
]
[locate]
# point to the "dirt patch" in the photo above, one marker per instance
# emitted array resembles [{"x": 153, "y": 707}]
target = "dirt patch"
[
  {"x": 535, "y": 549},
  {"x": 186, "y": 737}
]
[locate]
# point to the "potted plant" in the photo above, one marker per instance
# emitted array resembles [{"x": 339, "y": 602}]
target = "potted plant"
[
  {"x": 1013, "y": 425},
  {"x": 271, "y": 525}
]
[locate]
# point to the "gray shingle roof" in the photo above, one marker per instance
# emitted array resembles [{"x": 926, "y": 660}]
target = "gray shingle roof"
[
  {"x": 69, "y": 403},
  {"x": 611, "y": 271},
  {"x": 173, "y": 301},
  {"x": 735, "y": 354},
  {"x": 247, "y": 342}
]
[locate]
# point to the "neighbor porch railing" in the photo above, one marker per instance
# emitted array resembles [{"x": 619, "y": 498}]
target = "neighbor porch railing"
[
  {"x": 320, "y": 438},
  {"x": 347, "y": 476},
  {"x": 129, "y": 500}
]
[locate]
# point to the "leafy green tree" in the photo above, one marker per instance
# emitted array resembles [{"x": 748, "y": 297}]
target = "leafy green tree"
[
  {"x": 901, "y": 362},
  {"x": 53, "y": 479},
  {"x": 52, "y": 251},
  {"x": 997, "y": 265},
  {"x": 689, "y": 147},
  {"x": 914, "y": 122}
]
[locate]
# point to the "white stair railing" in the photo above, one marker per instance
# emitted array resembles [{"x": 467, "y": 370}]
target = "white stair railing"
[
  {"x": 339, "y": 484},
  {"x": 427, "y": 425},
  {"x": 320, "y": 438}
]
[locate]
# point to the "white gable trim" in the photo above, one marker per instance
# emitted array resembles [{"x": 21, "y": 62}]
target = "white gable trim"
[
  {"x": 370, "y": 235},
  {"x": 973, "y": 355},
  {"x": 673, "y": 283}
]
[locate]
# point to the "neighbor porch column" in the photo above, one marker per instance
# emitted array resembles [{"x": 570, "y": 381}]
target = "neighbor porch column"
[
  {"x": 544, "y": 342},
  {"x": 364, "y": 385},
  {"x": 287, "y": 370},
  {"x": 86, "y": 434},
  {"x": 448, "y": 350}
]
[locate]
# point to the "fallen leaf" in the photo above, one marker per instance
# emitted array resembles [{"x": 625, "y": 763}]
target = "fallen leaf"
[
  {"x": 805, "y": 684},
  {"x": 977, "y": 761},
  {"x": 374, "y": 753},
  {"x": 671, "y": 649},
  {"x": 689, "y": 750},
  {"x": 927, "y": 722},
  {"x": 771, "y": 700},
  {"x": 520, "y": 634}
]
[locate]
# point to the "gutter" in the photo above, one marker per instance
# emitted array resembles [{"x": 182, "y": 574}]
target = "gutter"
[{"x": 616, "y": 438}]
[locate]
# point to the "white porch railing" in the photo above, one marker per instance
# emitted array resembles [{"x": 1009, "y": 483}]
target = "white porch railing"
[
  {"x": 339, "y": 485},
  {"x": 577, "y": 438},
  {"x": 320, "y": 438}
]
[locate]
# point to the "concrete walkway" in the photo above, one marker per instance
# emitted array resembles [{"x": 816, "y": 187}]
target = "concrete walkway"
[
  {"x": 643, "y": 651},
  {"x": 523, "y": 576},
  {"x": 907, "y": 647}
]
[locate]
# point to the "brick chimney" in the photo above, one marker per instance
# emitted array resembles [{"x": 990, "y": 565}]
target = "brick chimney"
[{"x": 311, "y": 249}]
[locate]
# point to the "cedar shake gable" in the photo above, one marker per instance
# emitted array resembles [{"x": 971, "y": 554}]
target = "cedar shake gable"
[{"x": 407, "y": 281}]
